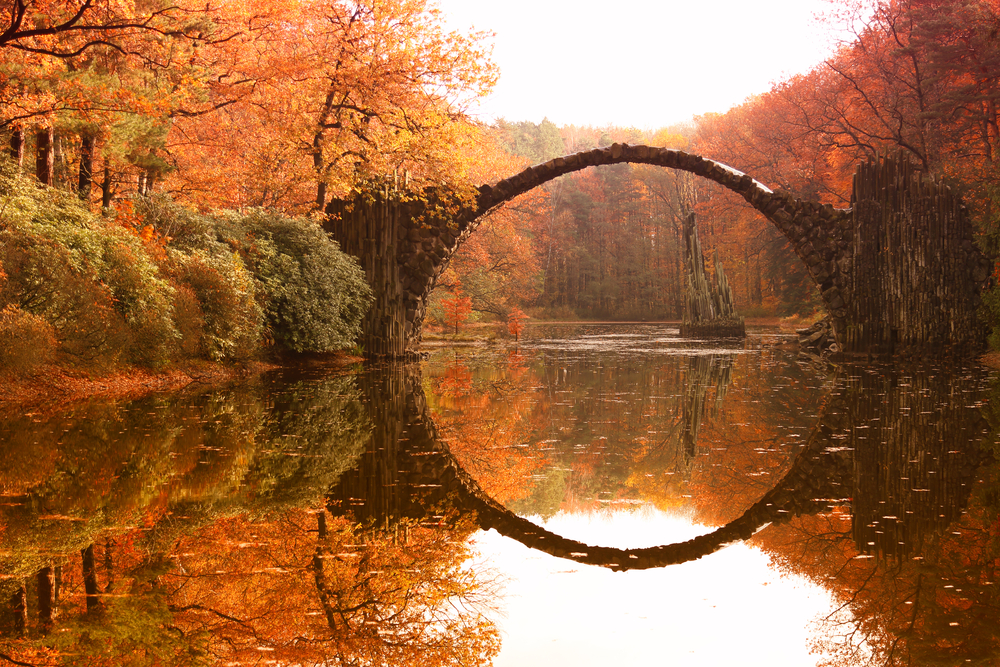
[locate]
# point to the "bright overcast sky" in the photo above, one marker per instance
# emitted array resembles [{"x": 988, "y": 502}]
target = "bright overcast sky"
[{"x": 639, "y": 63}]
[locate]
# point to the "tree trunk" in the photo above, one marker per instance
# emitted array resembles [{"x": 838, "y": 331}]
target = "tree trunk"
[
  {"x": 109, "y": 564},
  {"x": 60, "y": 170},
  {"x": 90, "y": 578},
  {"x": 19, "y": 610},
  {"x": 106, "y": 189},
  {"x": 46, "y": 590},
  {"x": 86, "y": 180},
  {"x": 44, "y": 158},
  {"x": 17, "y": 147}
]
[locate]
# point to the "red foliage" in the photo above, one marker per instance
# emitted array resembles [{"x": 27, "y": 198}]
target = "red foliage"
[
  {"x": 457, "y": 309},
  {"x": 515, "y": 323}
]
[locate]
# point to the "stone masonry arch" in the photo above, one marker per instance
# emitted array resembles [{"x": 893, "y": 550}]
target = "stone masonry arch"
[{"x": 898, "y": 271}]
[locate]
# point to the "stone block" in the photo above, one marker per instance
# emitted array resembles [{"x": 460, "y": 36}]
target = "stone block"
[{"x": 667, "y": 157}]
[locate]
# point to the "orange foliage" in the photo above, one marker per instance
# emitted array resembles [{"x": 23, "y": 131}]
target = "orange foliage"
[
  {"x": 456, "y": 308},
  {"x": 349, "y": 594},
  {"x": 492, "y": 439},
  {"x": 515, "y": 323}
]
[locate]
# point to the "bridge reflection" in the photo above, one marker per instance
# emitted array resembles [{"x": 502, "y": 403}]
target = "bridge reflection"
[{"x": 896, "y": 450}]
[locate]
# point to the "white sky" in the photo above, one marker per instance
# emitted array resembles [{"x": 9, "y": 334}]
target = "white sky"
[
  {"x": 729, "y": 608},
  {"x": 639, "y": 63}
]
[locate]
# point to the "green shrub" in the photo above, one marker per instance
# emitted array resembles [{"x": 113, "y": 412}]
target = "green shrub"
[
  {"x": 224, "y": 283},
  {"x": 189, "y": 320},
  {"x": 226, "y": 318},
  {"x": 26, "y": 341},
  {"x": 94, "y": 282},
  {"x": 316, "y": 296},
  {"x": 42, "y": 280},
  {"x": 312, "y": 295}
]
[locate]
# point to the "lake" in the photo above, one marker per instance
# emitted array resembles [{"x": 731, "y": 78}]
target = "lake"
[{"x": 595, "y": 494}]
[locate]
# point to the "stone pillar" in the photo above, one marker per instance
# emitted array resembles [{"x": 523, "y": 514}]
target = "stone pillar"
[
  {"x": 916, "y": 275},
  {"x": 368, "y": 228},
  {"x": 403, "y": 244}
]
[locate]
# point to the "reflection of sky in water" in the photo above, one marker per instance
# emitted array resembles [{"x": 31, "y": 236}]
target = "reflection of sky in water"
[{"x": 726, "y": 609}]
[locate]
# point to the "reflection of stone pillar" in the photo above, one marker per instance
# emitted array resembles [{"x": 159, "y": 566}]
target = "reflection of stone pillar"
[
  {"x": 371, "y": 491},
  {"x": 704, "y": 371},
  {"x": 916, "y": 442},
  {"x": 398, "y": 474}
]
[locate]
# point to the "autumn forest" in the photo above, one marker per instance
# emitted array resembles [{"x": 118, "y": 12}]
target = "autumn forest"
[{"x": 154, "y": 123}]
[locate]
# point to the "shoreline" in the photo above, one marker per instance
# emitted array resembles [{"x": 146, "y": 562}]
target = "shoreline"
[{"x": 57, "y": 386}]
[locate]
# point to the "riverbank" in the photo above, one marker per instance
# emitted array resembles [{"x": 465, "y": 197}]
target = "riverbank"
[{"x": 57, "y": 386}]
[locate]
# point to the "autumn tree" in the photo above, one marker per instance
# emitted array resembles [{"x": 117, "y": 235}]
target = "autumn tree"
[
  {"x": 342, "y": 594},
  {"x": 497, "y": 266},
  {"x": 88, "y": 82},
  {"x": 515, "y": 323},
  {"x": 490, "y": 420},
  {"x": 456, "y": 308},
  {"x": 343, "y": 94}
]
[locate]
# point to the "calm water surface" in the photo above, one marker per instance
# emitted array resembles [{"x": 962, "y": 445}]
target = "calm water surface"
[{"x": 598, "y": 494}]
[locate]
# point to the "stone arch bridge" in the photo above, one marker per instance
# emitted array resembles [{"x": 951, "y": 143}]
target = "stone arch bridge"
[{"x": 897, "y": 271}]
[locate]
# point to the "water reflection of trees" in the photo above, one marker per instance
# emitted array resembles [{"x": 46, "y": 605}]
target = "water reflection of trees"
[
  {"x": 186, "y": 531},
  {"x": 579, "y": 432},
  {"x": 876, "y": 506},
  {"x": 909, "y": 545},
  {"x": 227, "y": 528}
]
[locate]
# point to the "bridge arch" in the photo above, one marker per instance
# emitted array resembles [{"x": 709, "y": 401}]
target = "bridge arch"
[
  {"x": 898, "y": 271},
  {"x": 805, "y": 488},
  {"x": 820, "y": 234}
]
